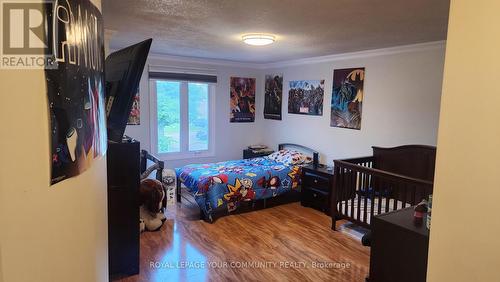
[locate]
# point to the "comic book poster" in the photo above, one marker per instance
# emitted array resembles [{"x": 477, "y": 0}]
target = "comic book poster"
[
  {"x": 135, "y": 113},
  {"x": 306, "y": 97},
  {"x": 273, "y": 96},
  {"x": 75, "y": 88},
  {"x": 242, "y": 99},
  {"x": 347, "y": 98}
]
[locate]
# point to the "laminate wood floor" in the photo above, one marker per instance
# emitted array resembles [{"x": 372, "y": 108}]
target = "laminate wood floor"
[{"x": 282, "y": 243}]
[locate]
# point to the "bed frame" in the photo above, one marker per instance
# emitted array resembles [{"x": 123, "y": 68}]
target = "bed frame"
[
  {"x": 315, "y": 156},
  {"x": 304, "y": 149},
  {"x": 391, "y": 179}
]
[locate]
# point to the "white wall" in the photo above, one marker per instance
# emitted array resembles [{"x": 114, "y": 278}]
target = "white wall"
[
  {"x": 401, "y": 106},
  {"x": 47, "y": 233},
  {"x": 401, "y": 102},
  {"x": 464, "y": 238},
  {"x": 230, "y": 138}
]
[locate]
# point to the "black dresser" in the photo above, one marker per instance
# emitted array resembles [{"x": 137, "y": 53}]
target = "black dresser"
[
  {"x": 316, "y": 187},
  {"x": 398, "y": 248},
  {"x": 123, "y": 161}
]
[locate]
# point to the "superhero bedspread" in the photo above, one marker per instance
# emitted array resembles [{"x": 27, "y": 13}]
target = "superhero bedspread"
[{"x": 225, "y": 185}]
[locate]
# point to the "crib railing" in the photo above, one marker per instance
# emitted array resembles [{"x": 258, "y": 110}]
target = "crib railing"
[{"x": 361, "y": 191}]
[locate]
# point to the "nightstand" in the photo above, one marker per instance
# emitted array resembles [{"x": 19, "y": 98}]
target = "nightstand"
[
  {"x": 249, "y": 153},
  {"x": 316, "y": 186},
  {"x": 399, "y": 248}
]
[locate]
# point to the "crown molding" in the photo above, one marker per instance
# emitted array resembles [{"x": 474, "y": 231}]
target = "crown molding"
[
  {"x": 312, "y": 60},
  {"x": 204, "y": 61},
  {"x": 360, "y": 54}
]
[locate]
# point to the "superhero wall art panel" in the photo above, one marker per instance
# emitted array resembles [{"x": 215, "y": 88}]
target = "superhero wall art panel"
[
  {"x": 347, "y": 98},
  {"x": 242, "y": 99},
  {"x": 306, "y": 97},
  {"x": 273, "y": 96},
  {"x": 75, "y": 88}
]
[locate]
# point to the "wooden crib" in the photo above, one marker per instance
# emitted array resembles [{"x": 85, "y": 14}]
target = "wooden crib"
[{"x": 391, "y": 179}]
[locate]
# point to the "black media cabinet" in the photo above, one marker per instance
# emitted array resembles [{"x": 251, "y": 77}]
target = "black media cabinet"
[{"x": 123, "y": 161}]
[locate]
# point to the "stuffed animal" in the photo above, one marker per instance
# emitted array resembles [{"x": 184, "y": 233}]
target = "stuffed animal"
[{"x": 152, "y": 195}]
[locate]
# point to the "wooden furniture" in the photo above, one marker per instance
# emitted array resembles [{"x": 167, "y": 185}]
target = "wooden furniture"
[
  {"x": 155, "y": 165},
  {"x": 249, "y": 153},
  {"x": 123, "y": 165},
  {"x": 398, "y": 248},
  {"x": 391, "y": 179},
  {"x": 316, "y": 187},
  {"x": 315, "y": 155}
]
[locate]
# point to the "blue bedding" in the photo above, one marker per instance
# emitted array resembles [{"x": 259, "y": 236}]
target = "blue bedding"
[{"x": 225, "y": 185}]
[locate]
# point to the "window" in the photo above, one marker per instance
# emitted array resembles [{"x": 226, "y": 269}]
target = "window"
[{"x": 182, "y": 118}]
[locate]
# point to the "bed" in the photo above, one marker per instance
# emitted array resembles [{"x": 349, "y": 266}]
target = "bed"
[
  {"x": 391, "y": 179},
  {"x": 226, "y": 185}
]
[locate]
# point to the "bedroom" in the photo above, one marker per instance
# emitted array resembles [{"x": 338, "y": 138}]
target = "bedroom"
[{"x": 410, "y": 62}]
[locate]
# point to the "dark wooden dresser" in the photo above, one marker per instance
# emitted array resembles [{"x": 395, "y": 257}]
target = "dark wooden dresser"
[
  {"x": 398, "y": 248},
  {"x": 123, "y": 161},
  {"x": 316, "y": 187}
]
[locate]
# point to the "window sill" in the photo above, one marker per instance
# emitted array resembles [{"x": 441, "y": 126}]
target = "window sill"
[{"x": 185, "y": 156}]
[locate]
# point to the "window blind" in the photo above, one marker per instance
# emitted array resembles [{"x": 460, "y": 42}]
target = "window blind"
[{"x": 183, "y": 76}]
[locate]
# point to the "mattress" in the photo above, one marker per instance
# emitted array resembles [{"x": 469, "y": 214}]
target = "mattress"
[{"x": 383, "y": 202}]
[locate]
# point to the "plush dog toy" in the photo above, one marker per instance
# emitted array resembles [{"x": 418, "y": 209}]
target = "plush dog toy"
[{"x": 152, "y": 195}]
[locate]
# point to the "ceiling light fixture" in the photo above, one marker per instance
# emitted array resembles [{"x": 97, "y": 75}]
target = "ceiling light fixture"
[{"x": 258, "y": 39}]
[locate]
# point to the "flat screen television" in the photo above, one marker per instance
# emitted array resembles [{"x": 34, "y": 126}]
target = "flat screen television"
[{"x": 123, "y": 71}]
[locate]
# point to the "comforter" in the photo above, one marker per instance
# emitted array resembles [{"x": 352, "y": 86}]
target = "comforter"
[{"x": 225, "y": 185}]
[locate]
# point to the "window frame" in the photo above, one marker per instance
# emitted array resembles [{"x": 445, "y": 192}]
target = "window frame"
[{"x": 184, "y": 120}]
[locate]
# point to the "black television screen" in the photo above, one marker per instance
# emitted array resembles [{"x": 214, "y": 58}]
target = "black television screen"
[{"x": 123, "y": 71}]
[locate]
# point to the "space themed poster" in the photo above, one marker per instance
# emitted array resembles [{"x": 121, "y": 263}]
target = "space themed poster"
[{"x": 75, "y": 88}]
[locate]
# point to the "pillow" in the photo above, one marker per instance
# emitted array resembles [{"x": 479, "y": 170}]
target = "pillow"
[
  {"x": 307, "y": 159},
  {"x": 290, "y": 157}
]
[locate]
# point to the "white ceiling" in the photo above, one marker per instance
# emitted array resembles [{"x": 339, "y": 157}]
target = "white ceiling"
[{"x": 304, "y": 28}]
